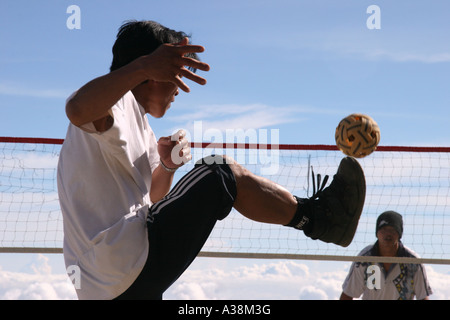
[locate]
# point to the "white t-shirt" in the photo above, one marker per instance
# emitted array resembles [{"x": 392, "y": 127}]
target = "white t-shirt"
[
  {"x": 104, "y": 183},
  {"x": 403, "y": 281}
]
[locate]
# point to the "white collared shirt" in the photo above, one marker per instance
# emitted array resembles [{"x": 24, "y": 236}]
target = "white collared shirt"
[
  {"x": 403, "y": 281},
  {"x": 104, "y": 183}
]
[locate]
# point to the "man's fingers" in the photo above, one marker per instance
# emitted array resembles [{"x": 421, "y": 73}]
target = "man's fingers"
[
  {"x": 172, "y": 63},
  {"x": 183, "y": 42},
  {"x": 186, "y": 155},
  {"x": 183, "y": 86},
  {"x": 188, "y": 48},
  {"x": 188, "y": 75},
  {"x": 190, "y": 62},
  {"x": 179, "y": 135},
  {"x": 192, "y": 76},
  {"x": 165, "y": 141}
]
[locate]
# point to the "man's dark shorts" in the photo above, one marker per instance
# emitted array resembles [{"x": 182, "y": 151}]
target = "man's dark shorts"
[{"x": 180, "y": 224}]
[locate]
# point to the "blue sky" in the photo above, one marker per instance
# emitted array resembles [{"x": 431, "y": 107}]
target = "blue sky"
[{"x": 295, "y": 66}]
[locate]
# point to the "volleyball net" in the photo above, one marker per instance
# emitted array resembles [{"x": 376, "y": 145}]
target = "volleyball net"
[{"x": 414, "y": 181}]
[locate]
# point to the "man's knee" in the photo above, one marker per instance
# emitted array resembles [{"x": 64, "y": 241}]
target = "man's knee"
[
  {"x": 218, "y": 160},
  {"x": 223, "y": 168},
  {"x": 215, "y": 160}
]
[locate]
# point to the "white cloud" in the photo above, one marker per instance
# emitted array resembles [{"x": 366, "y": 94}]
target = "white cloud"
[
  {"x": 397, "y": 45},
  {"x": 399, "y": 56},
  {"x": 22, "y": 90},
  {"x": 192, "y": 291},
  {"x": 37, "y": 284},
  {"x": 280, "y": 280},
  {"x": 231, "y": 116},
  {"x": 286, "y": 280},
  {"x": 312, "y": 293},
  {"x": 439, "y": 282},
  {"x": 207, "y": 122},
  {"x": 217, "y": 279}
]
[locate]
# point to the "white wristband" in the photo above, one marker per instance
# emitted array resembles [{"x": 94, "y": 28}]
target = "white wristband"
[{"x": 171, "y": 170}]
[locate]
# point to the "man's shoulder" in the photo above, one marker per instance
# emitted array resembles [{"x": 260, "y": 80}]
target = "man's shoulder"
[
  {"x": 367, "y": 251},
  {"x": 407, "y": 252}
]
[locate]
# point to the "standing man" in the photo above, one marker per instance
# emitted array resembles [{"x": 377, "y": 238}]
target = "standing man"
[
  {"x": 130, "y": 237},
  {"x": 399, "y": 281}
]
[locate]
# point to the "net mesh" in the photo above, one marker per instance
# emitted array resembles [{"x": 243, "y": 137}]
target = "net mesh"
[
  {"x": 412, "y": 181},
  {"x": 29, "y": 206}
]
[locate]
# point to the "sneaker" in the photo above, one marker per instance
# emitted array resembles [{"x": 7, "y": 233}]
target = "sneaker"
[{"x": 332, "y": 213}]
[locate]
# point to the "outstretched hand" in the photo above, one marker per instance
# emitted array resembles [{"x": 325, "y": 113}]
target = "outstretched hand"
[{"x": 168, "y": 64}]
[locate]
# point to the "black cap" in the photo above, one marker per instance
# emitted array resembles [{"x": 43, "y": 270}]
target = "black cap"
[{"x": 390, "y": 218}]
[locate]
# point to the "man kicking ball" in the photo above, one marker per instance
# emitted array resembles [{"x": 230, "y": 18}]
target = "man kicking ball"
[{"x": 130, "y": 237}]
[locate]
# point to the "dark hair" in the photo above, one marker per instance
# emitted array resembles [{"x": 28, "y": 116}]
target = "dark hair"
[{"x": 139, "y": 38}]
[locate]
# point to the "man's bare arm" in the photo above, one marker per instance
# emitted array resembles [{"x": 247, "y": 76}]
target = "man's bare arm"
[{"x": 166, "y": 64}]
